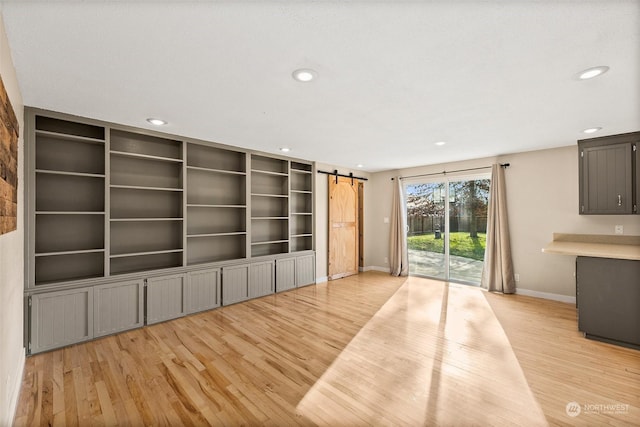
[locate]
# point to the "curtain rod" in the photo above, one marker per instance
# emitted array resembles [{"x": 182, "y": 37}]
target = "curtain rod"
[
  {"x": 504, "y": 165},
  {"x": 336, "y": 174}
]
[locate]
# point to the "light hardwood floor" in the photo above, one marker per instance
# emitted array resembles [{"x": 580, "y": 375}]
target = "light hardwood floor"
[{"x": 364, "y": 350}]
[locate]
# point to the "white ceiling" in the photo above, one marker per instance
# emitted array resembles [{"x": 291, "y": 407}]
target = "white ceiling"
[{"x": 488, "y": 77}]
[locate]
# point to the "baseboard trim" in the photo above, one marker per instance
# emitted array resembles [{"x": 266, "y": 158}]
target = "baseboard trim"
[
  {"x": 321, "y": 279},
  {"x": 376, "y": 268},
  {"x": 15, "y": 394},
  {"x": 546, "y": 295}
]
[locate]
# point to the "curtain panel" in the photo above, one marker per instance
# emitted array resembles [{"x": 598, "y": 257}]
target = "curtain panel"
[
  {"x": 497, "y": 272},
  {"x": 398, "y": 257}
]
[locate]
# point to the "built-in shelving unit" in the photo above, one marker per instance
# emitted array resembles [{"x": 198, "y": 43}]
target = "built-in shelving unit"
[
  {"x": 146, "y": 189},
  {"x": 126, "y": 227},
  {"x": 301, "y": 202},
  {"x": 216, "y": 204},
  {"x": 269, "y": 205},
  {"x": 69, "y": 201}
]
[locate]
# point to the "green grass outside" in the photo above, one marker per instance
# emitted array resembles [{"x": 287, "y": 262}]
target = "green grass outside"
[{"x": 460, "y": 242}]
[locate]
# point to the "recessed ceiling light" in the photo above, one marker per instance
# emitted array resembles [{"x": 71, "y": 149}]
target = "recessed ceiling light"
[
  {"x": 359, "y": 165},
  {"x": 305, "y": 75},
  {"x": 440, "y": 143},
  {"x": 592, "y": 72},
  {"x": 285, "y": 149},
  {"x": 156, "y": 122},
  {"x": 591, "y": 130}
]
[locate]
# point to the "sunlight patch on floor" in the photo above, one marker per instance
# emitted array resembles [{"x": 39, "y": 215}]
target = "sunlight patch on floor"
[{"x": 433, "y": 354}]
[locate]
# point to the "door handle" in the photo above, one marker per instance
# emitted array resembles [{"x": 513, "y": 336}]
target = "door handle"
[{"x": 619, "y": 200}]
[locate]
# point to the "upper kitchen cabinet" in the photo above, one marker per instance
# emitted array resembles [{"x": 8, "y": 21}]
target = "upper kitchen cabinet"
[{"x": 608, "y": 174}]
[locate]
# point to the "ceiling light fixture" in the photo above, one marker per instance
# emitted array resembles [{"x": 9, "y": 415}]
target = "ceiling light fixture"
[
  {"x": 359, "y": 165},
  {"x": 440, "y": 143},
  {"x": 592, "y": 72},
  {"x": 156, "y": 122},
  {"x": 305, "y": 75},
  {"x": 285, "y": 149},
  {"x": 591, "y": 130}
]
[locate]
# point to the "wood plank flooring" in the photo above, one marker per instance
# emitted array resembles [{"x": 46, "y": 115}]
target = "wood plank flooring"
[{"x": 364, "y": 350}]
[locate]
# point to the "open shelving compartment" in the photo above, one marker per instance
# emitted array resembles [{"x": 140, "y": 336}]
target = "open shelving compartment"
[
  {"x": 146, "y": 223},
  {"x": 216, "y": 204},
  {"x": 69, "y": 201}
]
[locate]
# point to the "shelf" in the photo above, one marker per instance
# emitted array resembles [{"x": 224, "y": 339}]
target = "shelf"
[
  {"x": 193, "y": 205},
  {"x": 269, "y": 217},
  {"x": 136, "y": 187},
  {"x": 301, "y": 213},
  {"x": 301, "y": 171},
  {"x": 145, "y": 146},
  {"x": 270, "y": 242},
  {"x": 69, "y": 130},
  {"x": 134, "y": 254},
  {"x": 302, "y": 235},
  {"x": 69, "y": 137},
  {"x": 144, "y": 219},
  {"x": 211, "y": 170},
  {"x": 84, "y": 251},
  {"x": 211, "y": 158},
  {"x": 69, "y": 213},
  {"x": 88, "y": 175},
  {"x": 302, "y": 191},
  {"x": 235, "y": 233},
  {"x": 269, "y": 172},
  {"x": 268, "y": 195},
  {"x": 145, "y": 156}
]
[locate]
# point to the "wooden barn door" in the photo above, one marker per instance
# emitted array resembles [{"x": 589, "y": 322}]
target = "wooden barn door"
[{"x": 343, "y": 227}]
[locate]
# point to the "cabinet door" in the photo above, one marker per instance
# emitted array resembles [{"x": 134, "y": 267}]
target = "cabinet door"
[
  {"x": 203, "y": 290},
  {"x": 118, "y": 307},
  {"x": 606, "y": 179},
  {"x": 608, "y": 298},
  {"x": 165, "y": 298},
  {"x": 285, "y": 274},
  {"x": 261, "y": 279},
  {"x": 235, "y": 284},
  {"x": 61, "y": 318},
  {"x": 305, "y": 270}
]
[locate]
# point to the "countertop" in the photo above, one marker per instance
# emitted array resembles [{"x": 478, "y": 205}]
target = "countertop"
[{"x": 595, "y": 245}]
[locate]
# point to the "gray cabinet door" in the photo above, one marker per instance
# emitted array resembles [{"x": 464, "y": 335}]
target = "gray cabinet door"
[
  {"x": 606, "y": 179},
  {"x": 203, "y": 290},
  {"x": 305, "y": 270},
  {"x": 262, "y": 278},
  {"x": 608, "y": 299},
  {"x": 118, "y": 307},
  {"x": 285, "y": 274},
  {"x": 235, "y": 284},
  {"x": 165, "y": 298},
  {"x": 61, "y": 318}
]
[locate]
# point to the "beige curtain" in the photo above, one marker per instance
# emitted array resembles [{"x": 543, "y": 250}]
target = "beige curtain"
[
  {"x": 398, "y": 258},
  {"x": 497, "y": 273}
]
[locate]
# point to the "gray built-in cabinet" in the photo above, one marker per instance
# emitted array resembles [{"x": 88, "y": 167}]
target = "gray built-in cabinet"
[
  {"x": 609, "y": 177},
  {"x": 127, "y": 227}
]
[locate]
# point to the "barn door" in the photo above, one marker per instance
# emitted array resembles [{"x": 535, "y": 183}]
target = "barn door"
[{"x": 343, "y": 227}]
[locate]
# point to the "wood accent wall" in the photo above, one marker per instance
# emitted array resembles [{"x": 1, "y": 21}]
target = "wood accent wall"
[{"x": 9, "y": 131}]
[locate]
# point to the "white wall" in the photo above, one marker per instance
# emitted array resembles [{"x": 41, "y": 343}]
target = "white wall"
[
  {"x": 542, "y": 198},
  {"x": 11, "y": 263}
]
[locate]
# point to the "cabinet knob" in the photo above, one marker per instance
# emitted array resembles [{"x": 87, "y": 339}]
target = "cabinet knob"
[{"x": 619, "y": 200}]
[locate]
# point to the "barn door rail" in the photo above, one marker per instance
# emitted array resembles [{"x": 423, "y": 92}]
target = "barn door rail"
[{"x": 336, "y": 174}]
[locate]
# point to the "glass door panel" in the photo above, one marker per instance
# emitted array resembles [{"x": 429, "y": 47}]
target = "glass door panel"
[
  {"x": 468, "y": 201},
  {"x": 426, "y": 232}
]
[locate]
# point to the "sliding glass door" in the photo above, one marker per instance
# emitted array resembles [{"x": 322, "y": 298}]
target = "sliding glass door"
[{"x": 447, "y": 221}]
